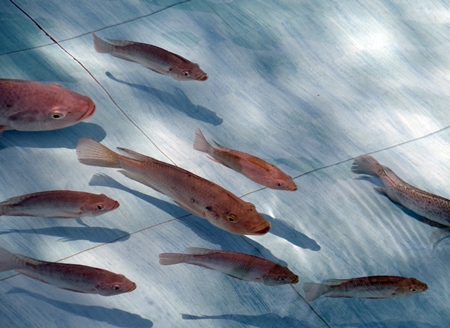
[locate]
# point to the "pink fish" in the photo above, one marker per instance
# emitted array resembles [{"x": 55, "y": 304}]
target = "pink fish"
[
  {"x": 58, "y": 204},
  {"x": 373, "y": 287},
  {"x": 237, "y": 265},
  {"x": 73, "y": 277},
  {"x": 195, "y": 194},
  {"x": 35, "y": 106},
  {"x": 154, "y": 58},
  {"x": 248, "y": 165}
]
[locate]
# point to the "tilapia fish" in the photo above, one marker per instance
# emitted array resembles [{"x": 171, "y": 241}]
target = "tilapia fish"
[
  {"x": 73, "y": 277},
  {"x": 34, "y": 106},
  {"x": 373, "y": 287},
  {"x": 237, "y": 265},
  {"x": 428, "y": 205},
  {"x": 195, "y": 194},
  {"x": 248, "y": 165},
  {"x": 154, "y": 58},
  {"x": 62, "y": 204}
]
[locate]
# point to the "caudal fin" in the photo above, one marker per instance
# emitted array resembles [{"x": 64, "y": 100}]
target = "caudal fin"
[
  {"x": 93, "y": 153},
  {"x": 314, "y": 290},
  {"x": 102, "y": 46},
  {"x": 200, "y": 142},
  {"x": 366, "y": 164},
  {"x": 9, "y": 261},
  {"x": 172, "y": 258}
]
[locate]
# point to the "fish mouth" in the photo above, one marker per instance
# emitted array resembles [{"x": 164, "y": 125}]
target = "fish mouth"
[
  {"x": 293, "y": 188},
  {"x": 89, "y": 112},
  {"x": 296, "y": 280},
  {"x": 133, "y": 287},
  {"x": 262, "y": 231},
  {"x": 203, "y": 77},
  {"x": 116, "y": 205}
]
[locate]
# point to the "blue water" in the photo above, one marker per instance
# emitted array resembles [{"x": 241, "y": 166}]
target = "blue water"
[{"x": 306, "y": 85}]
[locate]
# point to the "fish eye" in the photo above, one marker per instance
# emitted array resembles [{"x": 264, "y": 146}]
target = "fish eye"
[
  {"x": 279, "y": 184},
  {"x": 283, "y": 278},
  {"x": 57, "y": 115},
  {"x": 413, "y": 289},
  {"x": 99, "y": 206},
  {"x": 231, "y": 218},
  {"x": 116, "y": 287},
  {"x": 186, "y": 73}
]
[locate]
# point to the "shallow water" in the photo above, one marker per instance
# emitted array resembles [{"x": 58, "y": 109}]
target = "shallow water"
[{"x": 304, "y": 85}]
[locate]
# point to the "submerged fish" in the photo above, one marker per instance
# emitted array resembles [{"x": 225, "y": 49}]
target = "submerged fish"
[
  {"x": 428, "y": 205},
  {"x": 373, "y": 287},
  {"x": 237, "y": 265},
  {"x": 58, "y": 204},
  {"x": 35, "y": 106},
  {"x": 248, "y": 165},
  {"x": 195, "y": 194},
  {"x": 154, "y": 58},
  {"x": 73, "y": 277}
]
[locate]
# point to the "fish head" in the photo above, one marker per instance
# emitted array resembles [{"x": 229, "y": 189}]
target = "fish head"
[
  {"x": 95, "y": 205},
  {"x": 56, "y": 110},
  {"x": 187, "y": 71},
  {"x": 409, "y": 287},
  {"x": 281, "y": 181},
  {"x": 280, "y": 275},
  {"x": 243, "y": 219},
  {"x": 111, "y": 284}
]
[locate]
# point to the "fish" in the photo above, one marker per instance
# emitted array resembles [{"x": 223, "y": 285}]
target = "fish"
[
  {"x": 428, "y": 205},
  {"x": 35, "y": 106},
  {"x": 152, "y": 57},
  {"x": 237, "y": 265},
  {"x": 191, "y": 192},
  {"x": 73, "y": 277},
  {"x": 62, "y": 204},
  {"x": 248, "y": 165},
  {"x": 372, "y": 287}
]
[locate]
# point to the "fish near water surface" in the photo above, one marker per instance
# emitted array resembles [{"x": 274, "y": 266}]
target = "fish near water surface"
[
  {"x": 248, "y": 165},
  {"x": 237, "y": 265},
  {"x": 62, "y": 204},
  {"x": 195, "y": 194},
  {"x": 73, "y": 277},
  {"x": 372, "y": 287},
  {"x": 428, "y": 205},
  {"x": 34, "y": 106},
  {"x": 154, "y": 58}
]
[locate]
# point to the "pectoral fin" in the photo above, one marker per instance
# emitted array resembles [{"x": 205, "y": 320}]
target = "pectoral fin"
[{"x": 190, "y": 209}]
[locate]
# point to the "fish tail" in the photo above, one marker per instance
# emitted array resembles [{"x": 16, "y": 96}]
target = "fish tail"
[
  {"x": 366, "y": 164},
  {"x": 314, "y": 290},
  {"x": 200, "y": 142},
  {"x": 172, "y": 258},
  {"x": 9, "y": 261},
  {"x": 91, "y": 152},
  {"x": 102, "y": 46}
]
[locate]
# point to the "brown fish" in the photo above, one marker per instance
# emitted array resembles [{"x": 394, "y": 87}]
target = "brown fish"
[
  {"x": 154, "y": 58},
  {"x": 237, "y": 265},
  {"x": 372, "y": 287},
  {"x": 58, "y": 204},
  {"x": 195, "y": 194},
  {"x": 428, "y": 205},
  {"x": 73, "y": 277},
  {"x": 248, "y": 165},
  {"x": 35, "y": 106}
]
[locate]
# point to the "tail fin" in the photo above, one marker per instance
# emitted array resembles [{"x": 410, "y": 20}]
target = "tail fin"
[
  {"x": 91, "y": 152},
  {"x": 9, "y": 261},
  {"x": 102, "y": 46},
  {"x": 314, "y": 290},
  {"x": 366, "y": 164},
  {"x": 172, "y": 258},
  {"x": 200, "y": 142}
]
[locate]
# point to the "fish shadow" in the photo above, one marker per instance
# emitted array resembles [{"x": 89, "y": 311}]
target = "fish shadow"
[
  {"x": 178, "y": 101},
  {"x": 283, "y": 230},
  {"x": 93, "y": 234},
  {"x": 114, "y": 317},
  {"x": 62, "y": 138},
  {"x": 199, "y": 226},
  {"x": 268, "y": 320}
]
